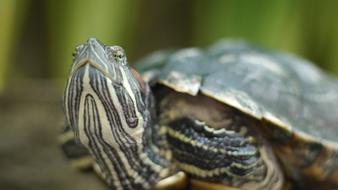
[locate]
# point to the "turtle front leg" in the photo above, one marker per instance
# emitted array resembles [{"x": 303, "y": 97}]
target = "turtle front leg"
[
  {"x": 75, "y": 152},
  {"x": 234, "y": 158}
]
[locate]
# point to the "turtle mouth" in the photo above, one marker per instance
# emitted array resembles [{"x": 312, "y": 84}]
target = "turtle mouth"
[
  {"x": 93, "y": 54},
  {"x": 91, "y": 63}
]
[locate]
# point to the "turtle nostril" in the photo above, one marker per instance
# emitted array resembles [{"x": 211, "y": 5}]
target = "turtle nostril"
[{"x": 91, "y": 41}]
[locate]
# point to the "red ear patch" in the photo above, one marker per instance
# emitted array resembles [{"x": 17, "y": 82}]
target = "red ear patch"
[{"x": 140, "y": 80}]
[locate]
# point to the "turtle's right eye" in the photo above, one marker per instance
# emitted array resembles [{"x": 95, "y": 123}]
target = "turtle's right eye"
[{"x": 77, "y": 50}]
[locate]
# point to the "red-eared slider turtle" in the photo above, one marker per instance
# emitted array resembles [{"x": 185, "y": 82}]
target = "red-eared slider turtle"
[{"x": 230, "y": 116}]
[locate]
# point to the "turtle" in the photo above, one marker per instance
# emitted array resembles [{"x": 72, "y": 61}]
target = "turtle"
[{"x": 231, "y": 115}]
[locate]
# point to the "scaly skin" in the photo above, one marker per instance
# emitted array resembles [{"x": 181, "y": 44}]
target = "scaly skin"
[{"x": 111, "y": 112}]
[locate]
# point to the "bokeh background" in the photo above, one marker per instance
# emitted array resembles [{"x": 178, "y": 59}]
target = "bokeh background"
[{"x": 37, "y": 38}]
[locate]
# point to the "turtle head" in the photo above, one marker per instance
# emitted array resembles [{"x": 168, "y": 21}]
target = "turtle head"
[
  {"x": 109, "y": 61},
  {"x": 104, "y": 94},
  {"x": 107, "y": 106}
]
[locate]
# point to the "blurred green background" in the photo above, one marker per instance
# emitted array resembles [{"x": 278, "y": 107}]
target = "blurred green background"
[{"x": 37, "y": 38}]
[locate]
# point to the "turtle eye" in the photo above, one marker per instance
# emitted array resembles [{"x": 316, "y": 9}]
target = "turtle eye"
[
  {"x": 116, "y": 54},
  {"x": 77, "y": 51}
]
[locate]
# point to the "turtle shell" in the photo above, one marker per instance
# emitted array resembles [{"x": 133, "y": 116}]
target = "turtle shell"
[{"x": 296, "y": 101}]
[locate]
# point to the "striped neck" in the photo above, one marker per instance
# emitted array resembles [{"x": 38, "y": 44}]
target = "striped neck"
[{"x": 108, "y": 111}]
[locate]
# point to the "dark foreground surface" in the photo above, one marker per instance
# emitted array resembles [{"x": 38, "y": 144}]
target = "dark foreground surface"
[{"x": 30, "y": 158}]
